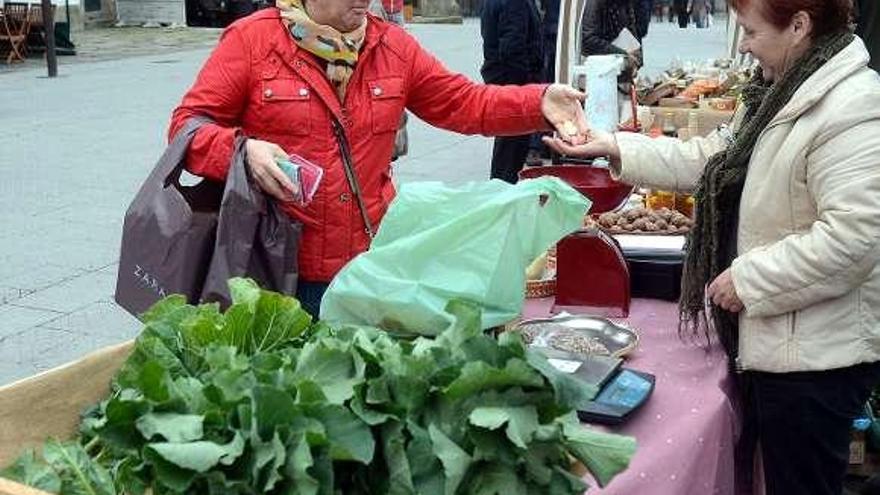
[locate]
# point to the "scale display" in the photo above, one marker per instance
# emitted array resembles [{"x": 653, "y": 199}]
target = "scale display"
[{"x": 625, "y": 392}]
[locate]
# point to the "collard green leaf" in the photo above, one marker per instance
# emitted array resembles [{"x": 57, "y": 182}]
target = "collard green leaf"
[
  {"x": 299, "y": 461},
  {"x": 334, "y": 366},
  {"x": 521, "y": 422},
  {"x": 427, "y": 471},
  {"x": 310, "y": 393},
  {"x": 198, "y": 456},
  {"x": 150, "y": 347},
  {"x": 565, "y": 483},
  {"x": 350, "y": 438},
  {"x": 154, "y": 381},
  {"x": 232, "y": 385},
  {"x": 493, "y": 445},
  {"x": 604, "y": 454},
  {"x": 467, "y": 323},
  {"x": 378, "y": 391},
  {"x": 122, "y": 411},
  {"x": 571, "y": 393},
  {"x": 477, "y": 376},
  {"x": 259, "y": 320},
  {"x": 272, "y": 407},
  {"x": 163, "y": 309},
  {"x": 80, "y": 475},
  {"x": 269, "y": 458},
  {"x": 399, "y": 476},
  {"x": 368, "y": 415},
  {"x": 172, "y": 427},
  {"x": 129, "y": 475},
  {"x": 28, "y": 470},
  {"x": 496, "y": 479},
  {"x": 203, "y": 328},
  {"x": 455, "y": 460},
  {"x": 172, "y": 477}
]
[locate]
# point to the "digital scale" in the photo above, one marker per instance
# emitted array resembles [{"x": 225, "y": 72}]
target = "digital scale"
[{"x": 621, "y": 390}]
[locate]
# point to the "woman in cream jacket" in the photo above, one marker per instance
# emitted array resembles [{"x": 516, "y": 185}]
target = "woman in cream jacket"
[{"x": 787, "y": 237}]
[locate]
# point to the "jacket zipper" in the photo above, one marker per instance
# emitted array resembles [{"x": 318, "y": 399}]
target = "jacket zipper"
[{"x": 348, "y": 165}]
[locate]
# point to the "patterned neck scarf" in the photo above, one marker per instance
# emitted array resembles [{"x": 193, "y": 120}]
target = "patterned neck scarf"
[{"x": 340, "y": 50}]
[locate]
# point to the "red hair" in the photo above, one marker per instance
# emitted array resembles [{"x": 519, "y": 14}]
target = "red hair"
[{"x": 828, "y": 16}]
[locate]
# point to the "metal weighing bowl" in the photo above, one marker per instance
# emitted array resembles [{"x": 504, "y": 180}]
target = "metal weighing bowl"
[{"x": 618, "y": 339}]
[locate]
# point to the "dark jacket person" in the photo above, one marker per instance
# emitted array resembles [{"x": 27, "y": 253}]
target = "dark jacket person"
[{"x": 512, "y": 54}]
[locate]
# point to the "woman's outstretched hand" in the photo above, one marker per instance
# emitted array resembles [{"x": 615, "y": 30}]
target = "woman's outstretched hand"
[
  {"x": 562, "y": 106},
  {"x": 593, "y": 145}
]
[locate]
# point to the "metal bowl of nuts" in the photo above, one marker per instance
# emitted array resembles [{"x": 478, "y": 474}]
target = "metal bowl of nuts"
[{"x": 579, "y": 334}]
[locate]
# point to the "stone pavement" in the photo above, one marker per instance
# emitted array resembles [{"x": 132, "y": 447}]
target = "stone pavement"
[
  {"x": 94, "y": 45},
  {"x": 74, "y": 150}
]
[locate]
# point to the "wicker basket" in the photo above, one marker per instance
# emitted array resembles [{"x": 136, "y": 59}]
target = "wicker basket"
[{"x": 536, "y": 289}]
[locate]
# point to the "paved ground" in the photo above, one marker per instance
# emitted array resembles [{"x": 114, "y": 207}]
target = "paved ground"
[{"x": 74, "y": 150}]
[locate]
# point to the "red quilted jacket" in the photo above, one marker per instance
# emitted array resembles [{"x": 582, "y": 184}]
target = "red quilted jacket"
[{"x": 259, "y": 83}]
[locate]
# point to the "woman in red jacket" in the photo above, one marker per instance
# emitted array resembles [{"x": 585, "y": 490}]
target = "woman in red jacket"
[{"x": 315, "y": 78}]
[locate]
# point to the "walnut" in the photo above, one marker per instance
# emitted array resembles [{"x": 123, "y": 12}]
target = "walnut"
[
  {"x": 661, "y": 224},
  {"x": 650, "y": 227},
  {"x": 606, "y": 220},
  {"x": 679, "y": 220},
  {"x": 684, "y": 230},
  {"x": 616, "y": 229},
  {"x": 665, "y": 213},
  {"x": 632, "y": 214},
  {"x": 640, "y": 224},
  {"x": 622, "y": 221},
  {"x": 629, "y": 227},
  {"x": 671, "y": 229}
]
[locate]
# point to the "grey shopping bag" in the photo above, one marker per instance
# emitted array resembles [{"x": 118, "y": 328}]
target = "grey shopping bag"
[
  {"x": 254, "y": 238},
  {"x": 189, "y": 240}
]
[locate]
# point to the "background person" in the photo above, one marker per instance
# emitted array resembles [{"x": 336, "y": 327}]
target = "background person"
[{"x": 512, "y": 54}]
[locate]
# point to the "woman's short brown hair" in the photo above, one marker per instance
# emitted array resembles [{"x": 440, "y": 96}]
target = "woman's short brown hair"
[{"x": 829, "y": 16}]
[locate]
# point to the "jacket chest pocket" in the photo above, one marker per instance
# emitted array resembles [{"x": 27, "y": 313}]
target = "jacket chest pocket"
[
  {"x": 286, "y": 104},
  {"x": 386, "y": 103}
]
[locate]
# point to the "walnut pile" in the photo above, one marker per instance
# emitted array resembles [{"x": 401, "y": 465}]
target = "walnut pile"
[{"x": 644, "y": 221}]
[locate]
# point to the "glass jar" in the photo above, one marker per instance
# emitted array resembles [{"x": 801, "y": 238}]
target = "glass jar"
[
  {"x": 684, "y": 203},
  {"x": 669, "y": 128},
  {"x": 660, "y": 199}
]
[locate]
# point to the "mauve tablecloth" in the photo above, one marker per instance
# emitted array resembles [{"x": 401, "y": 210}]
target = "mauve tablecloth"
[{"x": 686, "y": 430}]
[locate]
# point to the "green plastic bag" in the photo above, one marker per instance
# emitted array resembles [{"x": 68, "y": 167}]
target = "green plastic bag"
[{"x": 437, "y": 243}]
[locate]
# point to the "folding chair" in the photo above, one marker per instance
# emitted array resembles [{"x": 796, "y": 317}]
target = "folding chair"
[{"x": 13, "y": 34}]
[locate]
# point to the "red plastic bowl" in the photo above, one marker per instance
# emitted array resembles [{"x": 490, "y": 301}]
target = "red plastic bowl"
[{"x": 595, "y": 183}]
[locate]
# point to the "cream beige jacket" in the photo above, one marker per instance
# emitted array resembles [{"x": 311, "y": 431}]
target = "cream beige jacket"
[{"x": 808, "y": 239}]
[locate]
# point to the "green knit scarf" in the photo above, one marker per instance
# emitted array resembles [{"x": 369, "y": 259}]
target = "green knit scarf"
[{"x": 711, "y": 245}]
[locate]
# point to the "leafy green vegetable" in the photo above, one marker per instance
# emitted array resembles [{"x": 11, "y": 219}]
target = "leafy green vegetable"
[
  {"x": 29, "y": 471},
  {"x": 79, "y": 474},
  {"x": 260, "y": 400},
  {"x": 171, "y": 426}
]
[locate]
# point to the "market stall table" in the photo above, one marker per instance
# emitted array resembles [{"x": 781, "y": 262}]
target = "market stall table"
[{"x": 686, "y": 430}]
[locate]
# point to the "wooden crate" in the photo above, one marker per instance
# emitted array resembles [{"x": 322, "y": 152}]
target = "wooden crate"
[{"x": 49, "y": 405}]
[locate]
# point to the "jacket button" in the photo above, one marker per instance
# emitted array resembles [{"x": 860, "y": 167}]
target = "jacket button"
[
  {"x": 303, "y": 92},
  {"x": 377, "y": 91},
  {"x": 298, "y": 64},
  {"x": 344, "y": 198},
  {"x": 268, "y": 93}
]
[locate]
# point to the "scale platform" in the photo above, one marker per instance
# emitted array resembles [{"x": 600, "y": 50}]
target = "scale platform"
[{"x": 622, "y": 391}]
